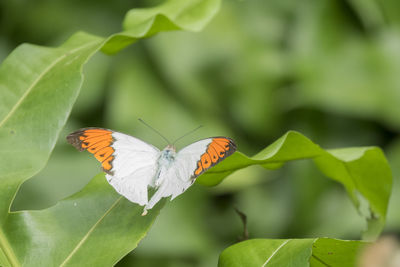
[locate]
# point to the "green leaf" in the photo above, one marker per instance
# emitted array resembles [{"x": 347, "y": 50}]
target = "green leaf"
[
  {"x": 96, "y": 226},
  {"x": 38, "y": 87},
  {"x": 292, "y": 252},
  {"x": 364, "y": 172},
  {"x": 334, "y": 252},
  {"x": 171, "y": 15}
]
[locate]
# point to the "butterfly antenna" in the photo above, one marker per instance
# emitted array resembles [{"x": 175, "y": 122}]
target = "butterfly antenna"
[
  {"x": 186, "y": 134},
  {"x": 168, "y": 142}
]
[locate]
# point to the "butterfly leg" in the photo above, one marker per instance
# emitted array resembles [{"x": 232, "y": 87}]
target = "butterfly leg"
[
  {"x": 144, "y": 212},
  {"x": 161, "y": 174}
]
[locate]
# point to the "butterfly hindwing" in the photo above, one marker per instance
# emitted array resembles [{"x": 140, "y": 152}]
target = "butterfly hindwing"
[{"x": 135, "y": 167}]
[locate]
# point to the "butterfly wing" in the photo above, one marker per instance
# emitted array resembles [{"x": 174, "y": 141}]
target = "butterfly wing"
[
  {"x": 206, "y": 154},
  {"x": 129, "y": 163},
  {"x": 190, "y": 162}
]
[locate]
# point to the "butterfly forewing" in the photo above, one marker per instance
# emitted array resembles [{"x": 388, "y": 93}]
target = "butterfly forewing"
[
  {"x": 218, "y": 149},
  {"x": 128, "y": 162}
]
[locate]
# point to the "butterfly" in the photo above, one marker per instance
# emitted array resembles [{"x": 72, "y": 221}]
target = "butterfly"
[{"x": 132, "y": 165}]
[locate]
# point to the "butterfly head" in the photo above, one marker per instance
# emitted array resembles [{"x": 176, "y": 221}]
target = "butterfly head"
[{"x": 169, "y": 152}]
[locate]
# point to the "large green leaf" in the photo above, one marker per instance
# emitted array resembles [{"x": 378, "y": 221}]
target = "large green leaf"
[
  {"x": 172, "y": 15},
  {"x": 96, "y": 227},
  {"x": 38, "y": 87},
  {"x": 363, "y": 171},
  {"x": 292, "y": 252}
]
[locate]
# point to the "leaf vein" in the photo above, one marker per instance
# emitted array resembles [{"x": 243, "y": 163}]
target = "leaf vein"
[
  {"x": 36, "y": 81},
  {"x": 8, "y": 251},
  {"x": 86, "y": 236},
  {"x": 276, "y": 250}
]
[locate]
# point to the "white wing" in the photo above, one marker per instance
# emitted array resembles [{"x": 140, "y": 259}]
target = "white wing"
[
  {"x": 129, "y": 163},
  {"x": 189, "y": 163},
  {"x": 134, "y": 167}
]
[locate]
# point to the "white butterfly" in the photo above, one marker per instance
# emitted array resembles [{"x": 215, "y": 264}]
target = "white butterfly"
[{"x": 131, "y": 165}]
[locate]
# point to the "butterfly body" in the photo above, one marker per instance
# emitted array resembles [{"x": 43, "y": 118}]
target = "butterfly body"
[
  {"x": 132, "y": 166},
  {"x": 164, "y": 162}
]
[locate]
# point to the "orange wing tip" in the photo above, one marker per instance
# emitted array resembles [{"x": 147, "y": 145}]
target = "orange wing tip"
[
  {"x": 97, "y": 141},
  {"x": 84, "y": 138},
  {"x": 226, "y": 143},
  {"x": 74, "y": 139},
  {"x": 199, "y": 169},
  {"x": 107, "y": 164},
  {"x": 217, "y": 150}
]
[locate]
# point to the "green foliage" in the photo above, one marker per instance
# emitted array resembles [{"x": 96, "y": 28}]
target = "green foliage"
[
  {"x": 95, "y": 221},
  {"x": 363, "y": 172},
  {"x": 39, "y": 86},
  {"x": 38, "y": 89},
  {"x": 171, "y": 15},
  {"x": 292, "y": 252},
  {"x": 36, "y": 106}
]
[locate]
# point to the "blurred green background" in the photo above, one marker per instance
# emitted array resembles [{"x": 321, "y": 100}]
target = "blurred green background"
[{"x": 329, "y": 69}]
